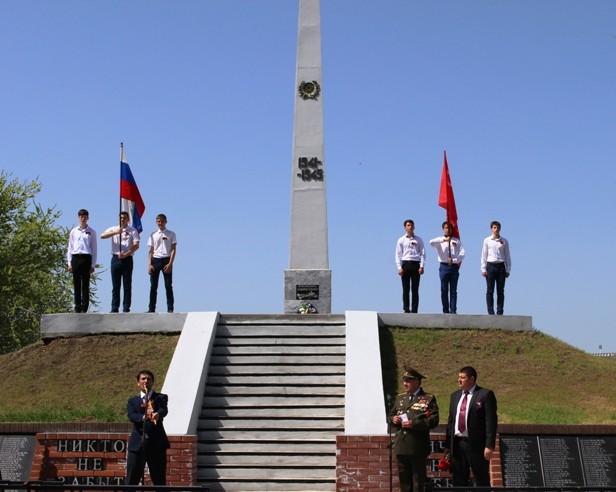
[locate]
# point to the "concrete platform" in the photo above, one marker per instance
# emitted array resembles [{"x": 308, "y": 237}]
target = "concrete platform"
[
  {"x": 464, "y": 321},
  {"x": 68, "y": 325}
]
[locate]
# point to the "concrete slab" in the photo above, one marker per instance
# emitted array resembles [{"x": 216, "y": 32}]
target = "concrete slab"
[
  {"x": 67, "y": 325},
  {"x": 364, "y": 402},
  {"x": 187, "y": 373},
  {"x": 465, "y": 321},
  {"x": 282, "y": 319},
  {"x": 71, "y": 325}
]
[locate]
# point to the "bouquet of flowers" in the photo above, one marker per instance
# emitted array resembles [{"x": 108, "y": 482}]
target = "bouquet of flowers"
[
  {"x": 306, "y": 308},
  {"x": 444, "y": 464}
]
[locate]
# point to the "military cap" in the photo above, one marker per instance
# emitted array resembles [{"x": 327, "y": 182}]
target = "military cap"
[{"x": 410, "y": 373}]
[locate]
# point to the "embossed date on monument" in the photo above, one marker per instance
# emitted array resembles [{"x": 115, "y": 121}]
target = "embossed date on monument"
[{"x": 310, "y": 169}]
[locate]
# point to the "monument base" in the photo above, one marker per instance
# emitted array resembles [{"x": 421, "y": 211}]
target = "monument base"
[{"x": 308, "y": 287}]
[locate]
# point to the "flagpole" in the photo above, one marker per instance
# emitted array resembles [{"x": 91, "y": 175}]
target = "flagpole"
[
  {"x": 447, "y": 214},
  {"x": 120, "y": 208},
  {"x": 121, "y": 160}
]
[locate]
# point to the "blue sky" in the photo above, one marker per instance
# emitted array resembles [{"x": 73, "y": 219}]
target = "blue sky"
[{"x": 519, "y": 93}]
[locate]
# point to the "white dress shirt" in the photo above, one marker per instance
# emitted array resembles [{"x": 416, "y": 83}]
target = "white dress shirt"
[
  {"x": 495, "y": 251},
  {"x": 161, "y": 242},
  {"x": 82, "y": 242},
  {"x": 469, "y": 397},
  {"x": 447, "y": 248},
  {"x": 410, "y": 249},
  {"x": 123, "y": 242}
]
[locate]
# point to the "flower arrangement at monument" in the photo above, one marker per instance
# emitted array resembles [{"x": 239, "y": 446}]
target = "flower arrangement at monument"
[{"x": 306, "y": 308}]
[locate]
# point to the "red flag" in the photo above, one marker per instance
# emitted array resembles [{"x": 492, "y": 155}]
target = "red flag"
[{"x": 446, "y": 199}]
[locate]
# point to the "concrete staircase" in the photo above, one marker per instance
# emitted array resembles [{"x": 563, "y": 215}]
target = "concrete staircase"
[{"x": 273, "y": 404}]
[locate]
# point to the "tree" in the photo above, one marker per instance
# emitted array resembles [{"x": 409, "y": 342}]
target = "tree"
[{"x": 33, "y": 275}]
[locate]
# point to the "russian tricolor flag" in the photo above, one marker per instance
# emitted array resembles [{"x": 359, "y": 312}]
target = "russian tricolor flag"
[{"x": 130, "y": 198}]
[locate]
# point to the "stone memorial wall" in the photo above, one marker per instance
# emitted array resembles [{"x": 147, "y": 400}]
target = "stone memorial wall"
[
  {"x": 83, "y": 454},
  {"x": 558, "y": 461},
  {"x": 16, "y": 453}
]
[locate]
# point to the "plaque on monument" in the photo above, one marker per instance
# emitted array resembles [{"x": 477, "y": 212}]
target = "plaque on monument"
[
  {"x": 559, "y": 461},
  {"x": 16, "y": 454},
  {"x": 306, "y": 292},
  {"x": 598, "y": 455},
  {"x": 520, "y": 461}
]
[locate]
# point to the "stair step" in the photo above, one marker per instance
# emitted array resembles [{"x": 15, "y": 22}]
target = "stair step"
[
  {"x": 275, "y": 369},
  {"x": 277, "y": 349},
  {"x": 267, "y": 460},
  {"x": 268, "y": 435},
  {"x": 280, "y": 331},
  {"x": 248, "y": 486},
  {"x": 239, "y": 401},
  {"x": 279, "y": 379},
  {"x": 268, "y": 341},
  {"x": 309, "y": 473},
  {"x": 271, "y": 424},
  {"x": 274, "y": 391},
  {"x": 267, "y": 360},
  {"x": 282, "y": 411},
  {"x": 266, "y": 447},
  {"x": 286, "y": 319}
]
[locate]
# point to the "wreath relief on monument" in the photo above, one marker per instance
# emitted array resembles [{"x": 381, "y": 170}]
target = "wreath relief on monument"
[{"x": 309, "y": 90}]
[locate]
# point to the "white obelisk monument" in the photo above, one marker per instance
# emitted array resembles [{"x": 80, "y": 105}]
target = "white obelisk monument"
[{"x": 308, "y": 279}]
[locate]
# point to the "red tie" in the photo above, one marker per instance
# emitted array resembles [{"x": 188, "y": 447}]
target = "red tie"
[{"x": 462, "y": 414}]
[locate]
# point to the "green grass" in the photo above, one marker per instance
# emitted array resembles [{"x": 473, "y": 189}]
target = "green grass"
[
  {"x": 103, "y": 413},
  {"x": 537, "y": 379},
  {"x": 82, "y": 379}
]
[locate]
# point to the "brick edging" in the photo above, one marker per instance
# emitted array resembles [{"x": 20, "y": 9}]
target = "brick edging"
[{"x": 99, "y": 458}]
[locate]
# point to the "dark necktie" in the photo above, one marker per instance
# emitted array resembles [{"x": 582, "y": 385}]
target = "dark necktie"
[{"x": 462, "y": 414}]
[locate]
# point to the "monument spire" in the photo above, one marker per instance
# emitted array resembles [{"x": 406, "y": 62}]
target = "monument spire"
[{"x": 308, "y": 278}]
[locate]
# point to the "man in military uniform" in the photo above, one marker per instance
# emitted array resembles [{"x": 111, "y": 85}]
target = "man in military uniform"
[{"x": 414, "y": 413}]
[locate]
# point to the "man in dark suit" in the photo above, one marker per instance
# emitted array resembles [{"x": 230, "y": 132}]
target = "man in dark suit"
[
  {"x": 148, "y": 441},
  {"x": 471, "y": 430},
  {"x": 414, "y": 413}
]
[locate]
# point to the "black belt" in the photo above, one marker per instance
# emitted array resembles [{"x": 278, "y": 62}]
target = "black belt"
[
  {"x": 461, "y": 438},
  {"x": 82, "y": 255}
]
